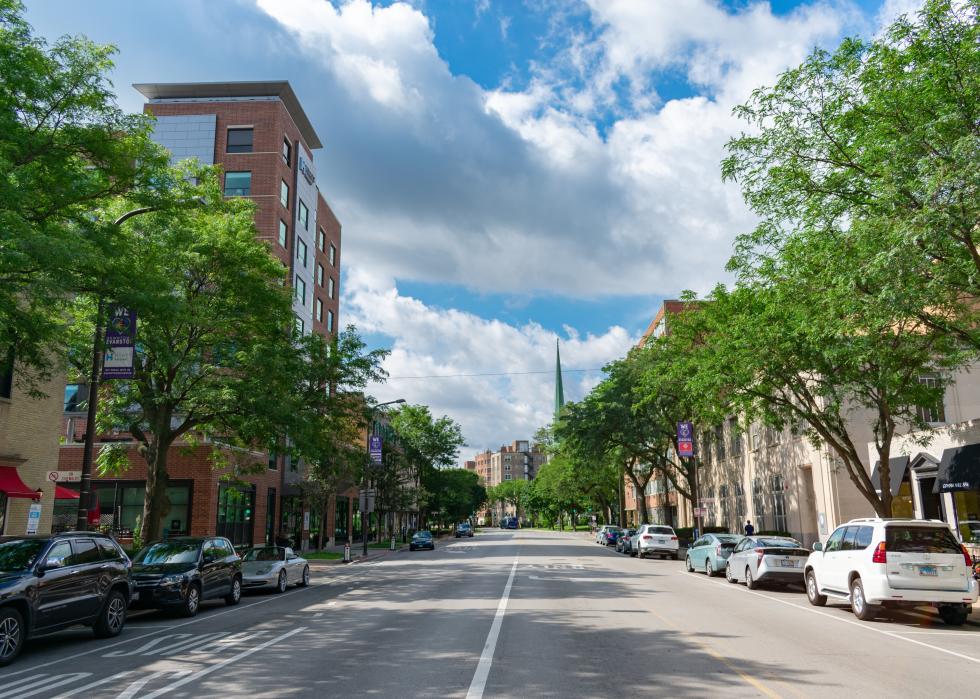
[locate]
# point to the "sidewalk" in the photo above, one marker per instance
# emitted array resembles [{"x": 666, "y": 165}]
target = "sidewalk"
[{"x": 356, "y": 555}]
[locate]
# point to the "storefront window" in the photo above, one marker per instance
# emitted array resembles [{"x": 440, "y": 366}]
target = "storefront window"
[
  {"x": 340, "y": 519},
  {"x": 902, "y": 505},
  {"x": 236, "y": 505},
  {"x": 120, "y": 507},
  {"x": 968, "y": 515}
]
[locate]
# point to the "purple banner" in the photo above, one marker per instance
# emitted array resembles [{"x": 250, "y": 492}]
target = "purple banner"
[
  {"x": 120, "y": 330},
  {"x": 685, "y": 439}
]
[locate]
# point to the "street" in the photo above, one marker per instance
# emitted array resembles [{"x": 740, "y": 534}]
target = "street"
[{"x": 509, "y": 614}]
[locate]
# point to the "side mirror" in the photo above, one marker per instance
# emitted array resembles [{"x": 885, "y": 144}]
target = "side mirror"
[
  {"x": 208, "y": 558},
  {"x": 53, "y": 564},
  {"x": 817, "y": 546}
]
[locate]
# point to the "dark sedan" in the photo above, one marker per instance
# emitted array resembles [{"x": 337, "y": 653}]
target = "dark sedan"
[
  {"x": 422, "y": 540},
  {"x": 179, "y": 573}
]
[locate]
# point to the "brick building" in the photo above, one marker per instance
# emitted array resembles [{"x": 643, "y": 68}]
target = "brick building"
[{"x": 259, "y": 135}]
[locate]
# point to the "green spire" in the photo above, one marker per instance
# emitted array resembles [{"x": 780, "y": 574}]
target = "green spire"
[{"x": 559, "y": 390}]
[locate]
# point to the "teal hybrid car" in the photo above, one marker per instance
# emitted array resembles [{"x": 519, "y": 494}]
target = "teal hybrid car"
[{"x": 710, "y": 553}]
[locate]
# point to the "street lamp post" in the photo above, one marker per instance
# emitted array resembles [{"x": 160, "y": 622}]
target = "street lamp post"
[
  {"x": 365, "y": 480},
  {"x": 85, "y": 487}
]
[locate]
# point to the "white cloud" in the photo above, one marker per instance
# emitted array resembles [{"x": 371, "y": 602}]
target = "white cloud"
[{"x": 436, "y": 342}]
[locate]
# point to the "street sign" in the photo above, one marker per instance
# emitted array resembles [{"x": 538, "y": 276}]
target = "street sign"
[
  {"x": 374, "y": 449},
  {"x": 120, "y": 340},
  {"x": 685, "y": 439},
  {"x": 65, "y": 476},
  {"x": 33, "y": 518}
]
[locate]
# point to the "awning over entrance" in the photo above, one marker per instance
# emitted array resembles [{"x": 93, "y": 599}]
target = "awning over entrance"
[
  {"x": 63, "y": 493},
  {"x": 959, "y": 469},
  {"x": 897, "y": 466},
  {"x": 12, "y": 485}
]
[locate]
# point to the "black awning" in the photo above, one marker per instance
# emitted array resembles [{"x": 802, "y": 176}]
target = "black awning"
[
  {"x": 897, "y": 467},
  {"x": 959, "y": 469}
]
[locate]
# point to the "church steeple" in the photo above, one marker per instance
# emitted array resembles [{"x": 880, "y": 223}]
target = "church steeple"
[{"x": 559, "y": 389}]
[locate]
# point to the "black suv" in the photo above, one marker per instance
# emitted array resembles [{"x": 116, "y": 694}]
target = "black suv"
[
  {"x": 181, "y": 572},
  {"x": 48, "y": 583}
]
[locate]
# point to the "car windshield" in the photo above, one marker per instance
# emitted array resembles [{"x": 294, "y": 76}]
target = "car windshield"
[
  {"x": 781, "y": 543},
  {"x": 661, "y": 530},
  {"x": 613, "y": 530},
  {"x": 903, "y": 539},
  {"x": 728, "y": 538},
  {"x": 19, "y": 554},
  {"x": 423, "y": 535},
  {"x": 266, "y": 553},
  {"x": 169, "y": 552}
]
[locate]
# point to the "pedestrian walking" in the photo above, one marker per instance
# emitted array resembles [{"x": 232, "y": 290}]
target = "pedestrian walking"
[{"x": 749, "y": 529}]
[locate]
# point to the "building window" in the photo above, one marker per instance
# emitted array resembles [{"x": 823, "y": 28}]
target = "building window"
[
  {"x": 283, "y": 233},
  {"x": 759, "y": 504},
  {"x": 507, "y": 477},
  {"x": 273, "y": 461},
  {"x": 300, "y": 326},
  {"x": 734, "y": 436},
  {"x": 931, "y": 413},
  {"x": 720, "y": 442},
  {"x": 318, "y": 305},
  {"x": 321, "y": 240},
  {"x": 304, "y": 215},
  {"x": 284, "y": 194},
  {"x": 330, "y": 287},
  {"x": 287, "y": 151},
  {"x": 238, "y": 184},
  {"x": 740, "y": 506},
  {"x": 301, "y": 251},
  {"x": 7, "y": 374},
  {"x": 780, "y": 522},
  {"x": 329, "y": 321},
  {"x": 319, "y": 274},
  {"x": 333, "y": 255},
  {"x": 239, "y": 141},
  {"x": 76, "y": 398},
  {"x": 300, "y": 287}
]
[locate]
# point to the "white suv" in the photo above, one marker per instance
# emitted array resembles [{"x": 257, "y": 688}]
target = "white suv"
[
  {"x": 652, "y": 539},
  {"x": 893, "y": 562}
]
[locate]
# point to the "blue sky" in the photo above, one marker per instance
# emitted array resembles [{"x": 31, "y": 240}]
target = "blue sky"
[{"x": 507, "y": 172}]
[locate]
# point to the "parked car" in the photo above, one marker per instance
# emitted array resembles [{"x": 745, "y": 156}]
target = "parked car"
[
  {"x": 464, "y": 529},
  {"x": 654, "y": 540},
  {"x": 49, "y": 583},
  {"x": 872, "y": 563},
  {"x": 766, "y": 559},
  {"x": 422, "y": 540},
  {"x": 710, "y": 553},
  {"x": 610, "y": 534},
  {"x": 181, "y": 572},
  {"x": 623, "y": 540},
  {"x": 600, "y": 535},
  {"x": 277, "y": 567}
]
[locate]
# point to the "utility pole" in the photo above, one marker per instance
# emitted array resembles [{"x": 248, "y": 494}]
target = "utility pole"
[{"x": 366, "y": 481}]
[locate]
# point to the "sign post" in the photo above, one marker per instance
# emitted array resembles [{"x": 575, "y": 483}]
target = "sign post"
[
  {"x": 120, "y": 341},
  {"x": 375, "y": 450},
  {"x": 685, "y": 450},
  {"x": 33, "y": 518}
]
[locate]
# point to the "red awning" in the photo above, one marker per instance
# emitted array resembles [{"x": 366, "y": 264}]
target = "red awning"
[
  {"x": 63, "y": 493},
  {"x": 12, "y": 485}
]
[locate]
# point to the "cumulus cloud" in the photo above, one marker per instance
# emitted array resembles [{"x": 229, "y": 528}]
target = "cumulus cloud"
[{"x": 430, "y": 342}]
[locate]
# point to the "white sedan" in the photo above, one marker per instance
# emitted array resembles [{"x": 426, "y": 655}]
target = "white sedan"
[{"x": 277, "y": 567}]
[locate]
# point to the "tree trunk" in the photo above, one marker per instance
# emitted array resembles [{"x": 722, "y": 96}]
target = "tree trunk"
[
  {"x": 156, "y": 505},
  {"x": 641, "y": 499}
]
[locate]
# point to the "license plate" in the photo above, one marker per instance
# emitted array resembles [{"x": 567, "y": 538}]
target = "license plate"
[
  {"x": 786, "y": 563},
  {"x": 928, "y": 570},
  {"x": 661, "y": 541}
]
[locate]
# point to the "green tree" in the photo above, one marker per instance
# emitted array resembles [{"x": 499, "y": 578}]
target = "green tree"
[
  {"x": 66, "y": 151},
  {"x": 875, "y": 148},
  {"x": 215, "y": 354},
  {"x": 457, "y": 494}
]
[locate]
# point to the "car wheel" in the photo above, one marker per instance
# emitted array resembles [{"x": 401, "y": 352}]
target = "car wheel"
[
  {"x": 687, "y": 564},
  {"x": 112, "y": 618},
  {"x": 859, "y": 605},
  {"x": 192, "y": 601},
  {"x": 305, "y": 582},
  {"x": 953, "y": 616},
  {"x": 749, "y": 580},
  {"x": 813, "y": 592},
  {"x": 235, "y": 596},
  {"x": 709, "y": 570},
  {"x": 281, "y": 583},
  {"x": 11, "y": 635},
  {"x": 728, "y": 574}
]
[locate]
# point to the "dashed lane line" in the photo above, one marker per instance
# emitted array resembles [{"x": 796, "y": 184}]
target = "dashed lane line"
[{"x": 479, "y": 682}]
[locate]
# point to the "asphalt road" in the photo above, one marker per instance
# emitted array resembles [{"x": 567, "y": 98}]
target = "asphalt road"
[{"x": 510, "y": 614}]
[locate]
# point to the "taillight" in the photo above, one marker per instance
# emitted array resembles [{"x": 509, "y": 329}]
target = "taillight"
[
  {"x": 966, "y": 555},
  {"x": 761, "y": 552},
  {"x": 647, "y": 537},
  {"x": 718, "y": 550},
  {"x": 879, "y": 555},
  {"x": 673, "y": 538}
]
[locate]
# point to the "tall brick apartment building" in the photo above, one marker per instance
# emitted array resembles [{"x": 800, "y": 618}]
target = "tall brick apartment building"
[{"x": 263, "y": 140}]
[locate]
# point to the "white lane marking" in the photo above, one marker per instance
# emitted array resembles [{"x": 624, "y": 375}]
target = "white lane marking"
[
  {"x": 858, "y": 624},
  {"x": 227, "y": 661},
  {"x": 136, "y": 686},
  {"x": 479, "y": 682},
  {"x": 47, "y": 683},
  {"x": 175, "y": 626},
  {"x": 97, "y": 683}
]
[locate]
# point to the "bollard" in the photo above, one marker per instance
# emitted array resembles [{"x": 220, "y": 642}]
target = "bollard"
[
  {"x": 346, "y": 553},
  {"x": 392, "y": 543}
]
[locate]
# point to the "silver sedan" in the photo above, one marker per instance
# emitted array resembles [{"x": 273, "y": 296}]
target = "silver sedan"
[
  {"x": 766, "y": 559},
  {"x": 277, "y": 567}
]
